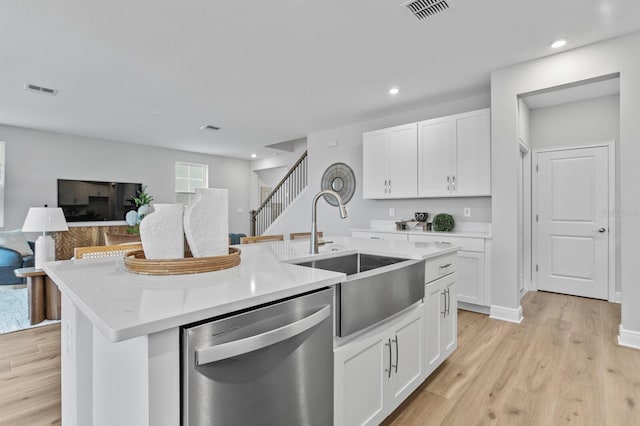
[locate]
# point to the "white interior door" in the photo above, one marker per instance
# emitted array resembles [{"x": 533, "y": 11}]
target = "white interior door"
[{"x": 573, "y": 228}]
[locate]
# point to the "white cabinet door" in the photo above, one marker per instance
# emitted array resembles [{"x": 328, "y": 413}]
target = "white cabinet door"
[
  {"x": 389, "y": 162},
  {"x": 407, "y": 358},
  {"x": 441, "y": 321},
  {"x": 374, "y": 373},
  {"x": 449, "y": 324},
  {"x": 472, "y": 169},
  {"x": 454, "y": 155},
  {"x": 434, "y": 311},
  {"x": 435, "y": 157},
  {"x": 470, "y": 282},
  {"x": 402, "y": 163},
  {"x": 374, "y": 175},
  {"x": 359, "y": 382}
]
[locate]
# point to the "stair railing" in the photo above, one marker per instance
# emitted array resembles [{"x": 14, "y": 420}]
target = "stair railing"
[{"x": 291, "y": 185}]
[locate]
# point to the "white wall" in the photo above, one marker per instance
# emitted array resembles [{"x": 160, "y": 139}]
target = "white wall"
[
  {"x": 597, "y": 60},
  {"x": 36, "y": 159},
  {"x": 576, "y": 123},
  {"x": 349, "y": 151}
]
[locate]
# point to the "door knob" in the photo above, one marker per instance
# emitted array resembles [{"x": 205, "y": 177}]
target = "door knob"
[{"x": 601, "y": 230}]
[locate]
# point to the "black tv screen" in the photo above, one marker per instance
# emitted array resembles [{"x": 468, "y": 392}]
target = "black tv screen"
[{"x": 87, "y": 200}]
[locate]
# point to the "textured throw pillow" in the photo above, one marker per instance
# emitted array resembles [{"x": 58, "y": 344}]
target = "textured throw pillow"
[
  {"x": 115, "y": 239},
  {"x": 15, "y": 240}
]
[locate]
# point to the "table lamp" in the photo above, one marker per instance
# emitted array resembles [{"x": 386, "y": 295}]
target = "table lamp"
[{"x": 44, "y": 219}]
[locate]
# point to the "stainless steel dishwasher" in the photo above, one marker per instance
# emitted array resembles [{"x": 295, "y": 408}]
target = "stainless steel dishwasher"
[{"x": 268, "y": 366}]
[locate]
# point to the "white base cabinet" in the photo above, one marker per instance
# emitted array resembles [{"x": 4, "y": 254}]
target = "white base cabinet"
[
  {"x": 441, "y": 321},
  {"x": 375, "y": 372},
  {"x": 472, "y": 265}
]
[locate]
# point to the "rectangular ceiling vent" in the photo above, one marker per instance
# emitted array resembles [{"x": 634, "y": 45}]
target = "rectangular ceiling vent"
[
  {"x": 39, "y": 89},
  {"x": 423, "y": 9},
  {"x": 209, "y": 127}
]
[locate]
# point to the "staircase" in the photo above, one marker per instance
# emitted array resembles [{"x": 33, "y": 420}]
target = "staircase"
[{"x": 282, "y": 196}]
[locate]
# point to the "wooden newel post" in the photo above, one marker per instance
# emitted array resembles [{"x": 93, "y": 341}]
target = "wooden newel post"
[{"x": 252, "y": 222}]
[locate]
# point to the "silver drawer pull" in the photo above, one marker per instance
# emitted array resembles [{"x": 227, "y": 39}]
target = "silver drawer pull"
[
  {"x": 446, "y": 266},
  {"x": 443, "y": 242},
  {"x": 376, "y": 238}
]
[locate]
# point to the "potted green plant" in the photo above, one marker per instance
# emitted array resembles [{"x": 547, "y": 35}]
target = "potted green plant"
[
  {"x": 142, "y": 202},
  {"x": 443, "y": 222}
]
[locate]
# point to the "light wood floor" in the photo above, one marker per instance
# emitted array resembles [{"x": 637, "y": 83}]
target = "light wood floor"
[
  {"x": 562, "y": 365},
  {"x": 30, "y": 377}
]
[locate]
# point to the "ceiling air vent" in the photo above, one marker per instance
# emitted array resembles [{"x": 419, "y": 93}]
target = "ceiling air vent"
[
  {"x": 39, "y": 89},
  {"x": 209, "y": 127},
  {"x": 423, "y": 9}
]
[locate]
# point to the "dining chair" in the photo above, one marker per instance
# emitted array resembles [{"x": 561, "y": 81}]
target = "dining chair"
[{"x": 261, "y": 239}]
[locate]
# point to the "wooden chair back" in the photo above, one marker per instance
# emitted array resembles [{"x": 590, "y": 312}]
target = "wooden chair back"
[
  {"x": 261, "y": 239},
  {"x": 303, "y": 235},
  {"x": 101, "y": 252}
]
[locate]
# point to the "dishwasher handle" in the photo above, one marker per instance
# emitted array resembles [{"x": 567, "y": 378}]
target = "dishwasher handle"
[{"x": 238, "y": 347}]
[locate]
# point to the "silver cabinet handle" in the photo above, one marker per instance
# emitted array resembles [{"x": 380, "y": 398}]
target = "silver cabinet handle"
[
  {"x": 385, "y": 186},
  {"x": 397, "y": 350},
  {"x": 446, "y": 266},
  {"x": 262, "y": 340},
  {"x": 444, "y": 312},
  {"x": 448, "y": 302},
  {"x": 453, "y": 182},
  {"x": 447, "y": 183},
  {"x": 376, "y": 238},
  {"x": 389, "y": 186},
  {"x": 389, "y": 369}
]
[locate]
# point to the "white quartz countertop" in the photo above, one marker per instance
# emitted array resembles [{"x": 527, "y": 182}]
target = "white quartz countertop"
[{"x": 123, "y": 305}]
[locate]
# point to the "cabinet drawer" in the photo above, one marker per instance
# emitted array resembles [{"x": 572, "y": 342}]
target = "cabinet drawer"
[
  {"x": 379, "y": 235},
  {"x": 439, "y": 267},
  {"x": 468, "y": 244}
]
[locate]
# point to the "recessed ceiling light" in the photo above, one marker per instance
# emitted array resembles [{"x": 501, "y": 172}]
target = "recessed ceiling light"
[
  {"x": 559, "y": 43},
  {"x": 253, "y": 156},
  {"x": 394, "y": 91}
]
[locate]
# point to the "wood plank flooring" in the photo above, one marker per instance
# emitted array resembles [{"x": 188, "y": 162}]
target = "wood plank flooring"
[
  {"x": 30, "y": 377},
  {"x": 561, "y": 365}
]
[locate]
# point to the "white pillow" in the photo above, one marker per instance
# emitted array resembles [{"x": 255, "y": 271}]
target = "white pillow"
[{"x": 15, "y": 240}]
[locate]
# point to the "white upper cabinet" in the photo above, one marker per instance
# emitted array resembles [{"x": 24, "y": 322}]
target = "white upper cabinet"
[
  {"x": 390, "y": 167},
  {"x": 454, "y": 155}
]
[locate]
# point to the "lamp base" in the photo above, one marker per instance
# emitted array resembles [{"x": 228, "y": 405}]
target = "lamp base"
[{"x": 45, "y": 250}]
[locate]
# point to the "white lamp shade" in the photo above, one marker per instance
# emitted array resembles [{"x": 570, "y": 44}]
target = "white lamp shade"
[{"x": 45, "y": 219}]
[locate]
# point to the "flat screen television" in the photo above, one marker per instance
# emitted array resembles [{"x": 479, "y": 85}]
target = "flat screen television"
[{"x": 88, "y": 200}]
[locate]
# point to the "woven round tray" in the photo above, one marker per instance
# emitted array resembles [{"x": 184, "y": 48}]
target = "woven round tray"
[{"x": 136, "y": 262}]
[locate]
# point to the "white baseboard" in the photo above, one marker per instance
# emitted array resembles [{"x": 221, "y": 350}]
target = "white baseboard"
[
  {"x": 629, "y": 338},
  {"x": 506, "y": 314},
  {"x": 618, "y": 297},
  {"x": 473, "y": 308}
]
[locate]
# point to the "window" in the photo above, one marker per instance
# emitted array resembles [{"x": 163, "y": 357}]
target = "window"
[{"x": 190, "y": 176}]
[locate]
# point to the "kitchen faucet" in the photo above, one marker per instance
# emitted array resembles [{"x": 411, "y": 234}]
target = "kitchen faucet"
[{"x": 313, "y": 249}]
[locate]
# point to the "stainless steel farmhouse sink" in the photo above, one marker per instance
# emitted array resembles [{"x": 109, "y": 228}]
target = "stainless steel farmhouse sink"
[{"x": 376, "y": 287}]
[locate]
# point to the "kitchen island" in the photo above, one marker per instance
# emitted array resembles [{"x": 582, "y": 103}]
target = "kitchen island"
[{"x": 120, "y": 331}]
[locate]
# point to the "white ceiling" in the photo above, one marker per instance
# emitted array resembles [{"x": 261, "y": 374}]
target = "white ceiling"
[{"x": 154, "y": 71}]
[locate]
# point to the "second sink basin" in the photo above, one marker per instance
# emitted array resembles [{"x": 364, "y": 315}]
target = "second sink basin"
[{"x": 376, "y": 287}]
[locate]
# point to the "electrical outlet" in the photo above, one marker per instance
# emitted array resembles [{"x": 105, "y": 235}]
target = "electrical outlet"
[
  {"x": 392, "y": 211},
  {"x": 467, "y": 211}
]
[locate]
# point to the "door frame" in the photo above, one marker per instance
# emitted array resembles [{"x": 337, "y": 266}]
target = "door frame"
[
  {"x": 610, "y": 145},
  {"x": 525, "y": 195}
]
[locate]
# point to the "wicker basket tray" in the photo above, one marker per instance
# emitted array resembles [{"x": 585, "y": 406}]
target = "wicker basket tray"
[{"x": 136, "y": 262}]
